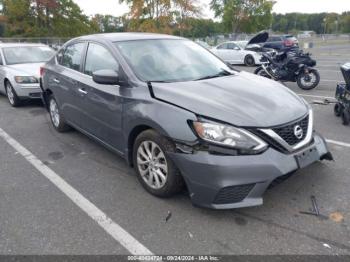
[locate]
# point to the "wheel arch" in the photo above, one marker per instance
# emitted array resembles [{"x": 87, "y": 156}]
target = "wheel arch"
[
  {"x": 6, "y": 80},
  {"x": 46, "y": 94}
]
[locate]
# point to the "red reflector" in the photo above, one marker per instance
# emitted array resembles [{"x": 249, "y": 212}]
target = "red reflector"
[
  {"x": 288, "y": 43},
  {"x": 42, "y": 70}
]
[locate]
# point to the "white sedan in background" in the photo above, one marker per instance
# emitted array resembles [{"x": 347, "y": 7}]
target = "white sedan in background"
[
  {"x": 20, "y": 70},
  {"x": 235, "y": 53}
]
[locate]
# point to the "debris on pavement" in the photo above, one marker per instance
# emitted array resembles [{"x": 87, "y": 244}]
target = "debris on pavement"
[
  {"x": 190, "y": 234},
  {"x": 168, "y": 216},
  {"x": 324, "y": 102},
  {"x": 326, "y": 245},
  {"x": 315, "y": 206},
  {"x": 315, "y": 210}
]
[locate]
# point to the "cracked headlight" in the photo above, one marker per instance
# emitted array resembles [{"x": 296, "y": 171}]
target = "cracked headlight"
[{"x": 230, "y": 136}]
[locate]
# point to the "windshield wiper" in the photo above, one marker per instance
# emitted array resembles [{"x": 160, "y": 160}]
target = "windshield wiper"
[{"x": 220, "y": 74}]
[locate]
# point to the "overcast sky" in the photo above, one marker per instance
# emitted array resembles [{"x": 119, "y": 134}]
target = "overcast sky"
[{"x": 113, "y": 7}]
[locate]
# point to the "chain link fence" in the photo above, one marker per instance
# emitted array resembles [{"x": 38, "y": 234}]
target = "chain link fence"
[
  {"x": 313, "y": 40},
  {"x": 53, "y": 42}
]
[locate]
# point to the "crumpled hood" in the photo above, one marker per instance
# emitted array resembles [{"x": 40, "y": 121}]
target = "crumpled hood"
[
  {"x": 32, "y": 69},
  {"x": 243, "y": 99}
]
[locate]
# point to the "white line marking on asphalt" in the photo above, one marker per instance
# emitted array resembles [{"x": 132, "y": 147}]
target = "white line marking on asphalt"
[
  {"x": 112, "y": 228},
  {"x": 330, "y": 80},
  {"x": 338, "y": 143}
]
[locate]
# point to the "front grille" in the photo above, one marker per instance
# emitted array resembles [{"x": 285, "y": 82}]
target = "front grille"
[
  {"x": 233, "y": 194},
  {"x": 287, "y": 132},
  {"x": 272, "y": 142}
]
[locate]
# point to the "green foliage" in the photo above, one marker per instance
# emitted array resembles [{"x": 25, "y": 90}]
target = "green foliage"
[
  {"x": 247, "y": 16},
  {"x": 108, "y": 23},
  {"x": 161, "y": 16},
  {"x": 34, "y": 18},
  {"x": 329, "y": 23},
  {"x": 200, "y": 28}
]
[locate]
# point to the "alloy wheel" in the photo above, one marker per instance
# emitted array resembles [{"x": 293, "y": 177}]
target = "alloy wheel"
[
  {"x": 10, "y": 94},
  {"x": 54, "y": 113},
  {"x": 152, "y": 164},
  {"x": 308, "y": 79}
]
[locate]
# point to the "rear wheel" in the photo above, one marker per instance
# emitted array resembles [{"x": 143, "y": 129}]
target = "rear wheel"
[
  {"x": 249, "y": 60},
  {"x": 11, "y": 95},
  {"x": 155, "y": 170},
  {"x": 308, "y": 80},
  {"x": 261, "y": 72},
  {"x": 56, "y": 117}
]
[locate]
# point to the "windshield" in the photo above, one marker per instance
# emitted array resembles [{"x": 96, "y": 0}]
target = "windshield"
[
  {"x": 168, "y": 60},
  {"x": 27, "y": 54}
]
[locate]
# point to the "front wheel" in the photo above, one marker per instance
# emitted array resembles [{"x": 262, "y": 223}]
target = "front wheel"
[
  {"x": 308, "y": 80},
  {"x": 11, "y": 95},
  {"x": 155, "y": 170}
]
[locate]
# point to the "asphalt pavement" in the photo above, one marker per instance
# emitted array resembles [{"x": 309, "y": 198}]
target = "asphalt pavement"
[{"x": 58, "y": 216}]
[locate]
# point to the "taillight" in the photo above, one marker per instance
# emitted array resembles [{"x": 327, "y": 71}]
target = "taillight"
[
  {"x": 42, "y": 70},
  {"x": 288, "y": 42}
]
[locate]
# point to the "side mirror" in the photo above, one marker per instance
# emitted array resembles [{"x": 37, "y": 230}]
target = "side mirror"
[{"x": 105, "y": 77}]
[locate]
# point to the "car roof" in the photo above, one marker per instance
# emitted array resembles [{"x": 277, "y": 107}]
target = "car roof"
[
  {"x": 116, "y": 37},
  {"x": 19, "y": 44}
]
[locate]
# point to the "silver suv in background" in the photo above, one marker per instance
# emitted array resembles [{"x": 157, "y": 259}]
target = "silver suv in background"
[
  {"x": 20, "y": 70},
  {"x": 180, "y": 116}
]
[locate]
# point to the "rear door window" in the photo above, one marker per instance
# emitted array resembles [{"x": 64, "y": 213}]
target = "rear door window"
[{"x": 72, "y": 56}]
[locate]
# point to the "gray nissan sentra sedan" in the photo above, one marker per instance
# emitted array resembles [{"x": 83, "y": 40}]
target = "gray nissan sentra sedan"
[
  {"x": 181, "y": 117},
  {"x": 20, "y": 70}
]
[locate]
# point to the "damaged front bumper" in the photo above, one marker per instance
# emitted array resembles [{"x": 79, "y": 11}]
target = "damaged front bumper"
[{"x": 227, "y": 181}]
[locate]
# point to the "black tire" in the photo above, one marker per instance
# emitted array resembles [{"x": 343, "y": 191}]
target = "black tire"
[
  {"x": 11, "y": 95},
  {"x": 249, "y": 60},
  {"x": 338, "y": 110},
  {"x": 174, "y": 181},
  {"x": 261, "y": 72},
  {"x": 346, "y": 117},
  {"x": 302, "y": 75},
  {"x": 61, "y": 126}
]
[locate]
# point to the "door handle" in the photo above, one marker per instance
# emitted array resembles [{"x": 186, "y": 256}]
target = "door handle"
[
  {"x": 56, "y": 80},
  {"x": 82, "y": 91}
]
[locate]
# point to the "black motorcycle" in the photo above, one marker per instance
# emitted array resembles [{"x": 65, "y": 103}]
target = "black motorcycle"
[{"x": 292, "y": 65}]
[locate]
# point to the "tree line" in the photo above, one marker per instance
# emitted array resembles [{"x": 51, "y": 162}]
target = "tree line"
[
  {"x": 322, "y": 23},
  {"x": 64, "y": 18}
]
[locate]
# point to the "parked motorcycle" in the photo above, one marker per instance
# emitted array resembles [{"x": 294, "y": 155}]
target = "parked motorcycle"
[{"x": 290, "y": 66}]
